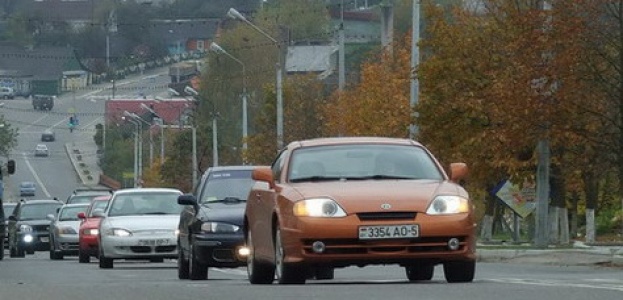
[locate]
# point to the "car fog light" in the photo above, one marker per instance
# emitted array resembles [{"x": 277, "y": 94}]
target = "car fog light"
[
  {"x": 243, "y": 251},
  {"x": 28, "y": 238},
  {"x": 318, "y": 247},
  {"x": 453, "y": 244}
]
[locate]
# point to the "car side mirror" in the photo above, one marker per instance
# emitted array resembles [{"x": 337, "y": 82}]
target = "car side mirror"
[
  {"x": 12, "y": 218},
  {"x": 458, "y": 172},
  {"x": 264, "y": 174},
  {"x": 50, "y": 217},
  {"x": 82, "y": 215}
]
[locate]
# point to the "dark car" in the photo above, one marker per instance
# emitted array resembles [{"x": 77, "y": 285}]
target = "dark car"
[
  {"x": 29, "y": 226},
  {"x": 86, "y": 195},
  {"x": 48, "y": 136},
  {"x": 43, "y": 102},
  {"x": 210, "y": 227}
]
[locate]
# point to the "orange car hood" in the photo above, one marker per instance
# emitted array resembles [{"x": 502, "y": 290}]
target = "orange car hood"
[{"x": 368, "y": 196}]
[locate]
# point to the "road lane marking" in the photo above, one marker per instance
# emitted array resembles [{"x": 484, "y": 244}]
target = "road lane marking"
[
  {"x": 557, "y": 284},
  {"x": 32, "y": 170}
]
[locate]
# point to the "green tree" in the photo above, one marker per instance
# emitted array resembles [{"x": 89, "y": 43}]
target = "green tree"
[{"x": 8, "y": 137}]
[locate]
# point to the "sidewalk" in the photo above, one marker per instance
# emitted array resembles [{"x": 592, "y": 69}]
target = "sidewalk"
[{"x": 579, "y": 254}]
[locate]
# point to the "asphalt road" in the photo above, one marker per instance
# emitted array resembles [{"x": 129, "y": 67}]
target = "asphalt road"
[
  {"x": 55, "y": 175},
  {"x": 38, "y": 277}
]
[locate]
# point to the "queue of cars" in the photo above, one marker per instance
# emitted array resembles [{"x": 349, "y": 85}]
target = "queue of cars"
[{"x": 322, "y": 204}]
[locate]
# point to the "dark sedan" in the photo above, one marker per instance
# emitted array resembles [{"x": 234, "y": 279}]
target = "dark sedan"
[{"x": 210, "y": 228}]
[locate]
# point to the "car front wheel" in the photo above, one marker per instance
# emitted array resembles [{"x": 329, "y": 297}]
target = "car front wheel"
[
  {"x": 182, "y": 264},
  {"x": 417, "y": 272},
  {"x": 258, "y": 273},
  {"x": 459, "y": 271},
  {"x": 105, "y": 262},
  {"x": 83, "y": 257},
  {"x": 197, "y": 270},
  {"x": 286, "y": 273}
]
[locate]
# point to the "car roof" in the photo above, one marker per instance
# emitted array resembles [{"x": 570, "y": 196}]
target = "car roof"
[
  {"x": 76, "y": 205},
  {"x": 41, "y": 201},
  {"x": 26, "y": 183},
  {"x": 145, "y": 190},
  {"x": 352, "y": 140},
  {"x": 231, "y": 168},
  {"x": 92, "y": 191}
]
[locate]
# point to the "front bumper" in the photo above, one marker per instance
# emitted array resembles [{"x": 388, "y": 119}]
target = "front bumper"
[
  {"x": 152, "y": 246},
  {"x": 344, "y": 248},
  {"x": 67, "y": 243},
  {"x": 219, "y": 250},
  {"x": 89, "y": 244},
  {"x": 40, "y": 241}
]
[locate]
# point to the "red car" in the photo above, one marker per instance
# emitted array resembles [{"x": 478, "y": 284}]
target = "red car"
[{"x": 88, "y": 233}]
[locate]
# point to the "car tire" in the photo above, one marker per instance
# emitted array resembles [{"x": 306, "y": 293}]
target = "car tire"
[
  {"x": 324, "y": 273},
  {"x": 83, "y": 257},
  {"x": 12, "y": 252},
  {"x": 183, "y": 271},
  {"x": 258, "y": 273},
  {"x": 105, "y": 262},
  {"x": 459, "y": 271},
  {"x": 286, "y": 273},
  {"x": 19, "y": 251},
  {"x": 197, "y": 270},
  {"x": 420, "y": 272}
]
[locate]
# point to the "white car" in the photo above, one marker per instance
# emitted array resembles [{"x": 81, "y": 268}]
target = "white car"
[
  {"x": 139, "y": 223},
  {"x": 41, "y": 150},
  {"x": 64, "y": 230}
]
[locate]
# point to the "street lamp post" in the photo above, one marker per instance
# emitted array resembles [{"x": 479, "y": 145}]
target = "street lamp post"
[
  {"x": 151, "y": 142},
  {"x": 161, "y": 125},
  {"x": 216, "y": 48},
  {"x": 234, "y": 14}
]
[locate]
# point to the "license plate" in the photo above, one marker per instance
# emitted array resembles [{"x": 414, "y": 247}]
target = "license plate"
[
  {"x": 158, "y": 242},
  {"x": 389, "y": 232},
  {"x": 44, "y": 239}
]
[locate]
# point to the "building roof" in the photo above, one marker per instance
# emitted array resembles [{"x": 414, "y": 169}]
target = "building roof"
[
  {"x": 171, "y": 111},
  {"x": 39, "y": 64},
  {"x": 172, "y": 31},
  {"x": 59, "y": 10}
]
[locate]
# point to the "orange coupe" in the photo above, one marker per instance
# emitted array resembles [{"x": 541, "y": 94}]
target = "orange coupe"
[{"x": 356, "y": 201}]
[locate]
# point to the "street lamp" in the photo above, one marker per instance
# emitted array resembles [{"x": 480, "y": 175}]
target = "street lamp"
[
  {"x": 216, "y": 48},
  {"x": 136, "y": 145},
  {"x": 193, "y": 92},
  {"x": 151, "y": 144},
  {"x": 161, "y": 131},
  {"x": 234, "y": 14}
]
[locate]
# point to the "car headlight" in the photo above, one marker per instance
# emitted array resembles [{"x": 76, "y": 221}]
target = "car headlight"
[
  {"x": 218, "y": 227},
  {"x": 318, "y": 207},
  {"x": 66, "y": 230},
  {"x": 447, "y": 205},
  {"x": 118, "y": 232},
  {"x": 93, "y": 231},
  {"x": 25, "y": 228}
]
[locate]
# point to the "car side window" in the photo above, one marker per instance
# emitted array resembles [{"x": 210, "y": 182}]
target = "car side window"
[{"x": 277, "y": 166}]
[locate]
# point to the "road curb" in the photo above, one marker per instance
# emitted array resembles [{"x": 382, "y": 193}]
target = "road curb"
[{"x": 86, "y": 176}]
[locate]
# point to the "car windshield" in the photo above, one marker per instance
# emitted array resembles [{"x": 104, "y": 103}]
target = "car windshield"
[
  {"x": 145, "y": 203},
  {"x": 362, "y": 162},
  {"x": 97, "y": 205},
  {"x": 230, "y": 185},
  {"x": 27, "y": 185},
  {"x": 42, "y": 147},
  {"x": 71, "y": 213},
  {"x": 37, "y": 211}
]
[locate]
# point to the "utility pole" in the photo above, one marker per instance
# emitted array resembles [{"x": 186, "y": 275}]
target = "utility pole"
[
  {"x": 342, "y": 65},
  {"x": 415, "y": 61}
]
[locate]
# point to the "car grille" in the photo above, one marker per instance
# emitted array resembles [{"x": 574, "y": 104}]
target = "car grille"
[
  {"x": 41, "y": 228},
  {"x": 385, "y": 216},
  {"x": 223, "y": 255},
  {"x": 355, "y": 246},
  {"x": 150, "y": 249}
]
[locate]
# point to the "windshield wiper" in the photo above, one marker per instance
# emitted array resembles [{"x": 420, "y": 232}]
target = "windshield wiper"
[
  {"x": 227, "y": 200},
  {"x": 316, "y": 178},
  {"x": 156, "y": 213}
]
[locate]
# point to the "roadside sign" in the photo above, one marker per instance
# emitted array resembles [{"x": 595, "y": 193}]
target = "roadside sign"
[
  {"x": 128, "y": 175},
  {"x": 519, "y": 198}
]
